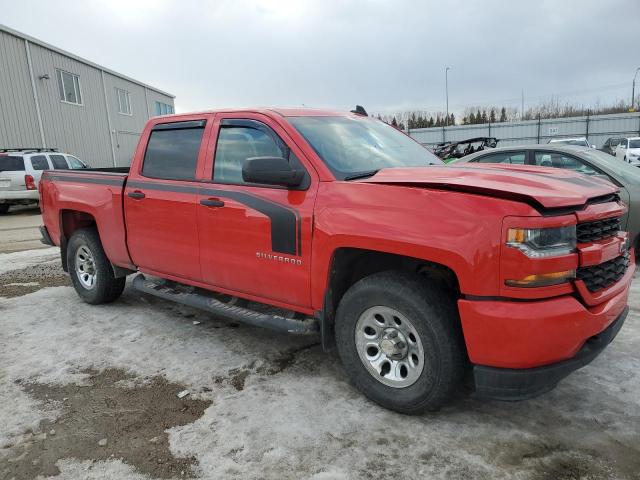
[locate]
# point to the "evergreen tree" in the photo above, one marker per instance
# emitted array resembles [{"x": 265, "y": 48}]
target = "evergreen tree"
[
  {"x": 478, "y": 117},
  {"x": 503, "y": 114},
  {"x": 472, "y": 119},
  {"x": 394, "y": 123},
  {"x": 492, "y": 115},
  {"x": 452, "y": 119},
  {"x": 484, "y": 117},
  {"x": 465, "y": 121},
  {"x": 431, "y": 122}
]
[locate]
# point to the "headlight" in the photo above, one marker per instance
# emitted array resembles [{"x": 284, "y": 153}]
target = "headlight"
[{"x": 543, "y": 242}]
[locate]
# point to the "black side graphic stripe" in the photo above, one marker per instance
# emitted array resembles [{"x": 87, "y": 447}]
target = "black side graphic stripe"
[
  {"x": 84, "y": 179},
  {"x": 286, "y": 224}
]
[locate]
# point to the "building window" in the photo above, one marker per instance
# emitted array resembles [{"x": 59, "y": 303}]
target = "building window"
[
  {"x": 163, "y": 108},
  {"x": 124, "y": 102},
  {"x": 69, "y": 87}
]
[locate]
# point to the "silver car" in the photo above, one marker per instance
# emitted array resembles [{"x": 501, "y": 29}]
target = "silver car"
[
  {"x": 21, "y": 169},
  {"x": 584, "y": 160}
]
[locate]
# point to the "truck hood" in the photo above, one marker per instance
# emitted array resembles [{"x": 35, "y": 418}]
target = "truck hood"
[{"x": 543, "y": 188}]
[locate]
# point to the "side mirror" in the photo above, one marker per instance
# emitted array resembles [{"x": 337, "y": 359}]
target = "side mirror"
[{"x": 271, "y": 171}]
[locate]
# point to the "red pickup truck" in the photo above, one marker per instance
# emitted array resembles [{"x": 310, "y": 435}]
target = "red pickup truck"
[{"x": 317, "y": 221}]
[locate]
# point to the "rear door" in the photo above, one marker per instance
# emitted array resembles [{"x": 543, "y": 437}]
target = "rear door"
[
  {"x": 160, "y": 201},
  {"x": 12, "y": 172},
  {"x": 255, "y": 239}
]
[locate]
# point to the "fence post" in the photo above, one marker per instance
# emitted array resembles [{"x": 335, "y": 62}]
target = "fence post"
[
  {"x": 586, "y": 135},
  {"x": 489, "y": 130},
  {"x": 538, "y": 129},
  {"x": 443, "y": 135}
]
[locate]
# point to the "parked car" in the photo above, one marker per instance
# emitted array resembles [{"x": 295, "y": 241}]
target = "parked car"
[
  {"x": 450, "y": 150},
  {"x": 610, "y": 145},
  {"x": 21, "y": 169},
  {"x": 340, "y": 224},
  {"x": 582, "y": 160},
  {"x": 628, "y": 150},
  {"x": 574, "y": 142}
]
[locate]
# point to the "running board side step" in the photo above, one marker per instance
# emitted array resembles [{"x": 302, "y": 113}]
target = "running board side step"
[{"x": 192, "y": 297}]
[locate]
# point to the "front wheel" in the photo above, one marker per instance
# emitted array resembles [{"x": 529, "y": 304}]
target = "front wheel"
[
  {"x": 400, "y": 342},
  {"x": 4, "y": 208},
  {"x": 90, "y": 269}
]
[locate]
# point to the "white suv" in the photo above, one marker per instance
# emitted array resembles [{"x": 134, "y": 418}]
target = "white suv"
[
  {"x": 628, "y": 150},
  {"x": 21, "y": 169}
]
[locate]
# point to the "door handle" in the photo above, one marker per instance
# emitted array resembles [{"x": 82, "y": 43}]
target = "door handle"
[
  {"x": 211, "y": 202},
  {"x": 138, "y": 195}
]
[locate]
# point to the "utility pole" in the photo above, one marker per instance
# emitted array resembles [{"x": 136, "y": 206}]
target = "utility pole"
[
  {"x": 633, "y": 90},
  {"x": 522, "y": 106},
  {"x": 446, "y": 91}
]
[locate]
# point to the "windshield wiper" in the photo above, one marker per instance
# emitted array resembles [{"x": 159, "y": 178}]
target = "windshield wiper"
[{"x": 358, "y": 175}]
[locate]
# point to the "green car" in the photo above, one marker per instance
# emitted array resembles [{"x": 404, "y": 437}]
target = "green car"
[{"x": 584, "y": 160}]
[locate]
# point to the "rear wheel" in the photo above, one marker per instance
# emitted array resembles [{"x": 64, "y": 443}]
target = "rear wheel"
[
  {"x": 4, "y": 208},
  {"x": 399, "y": 341},
  {"x": 90, "y": 269}
]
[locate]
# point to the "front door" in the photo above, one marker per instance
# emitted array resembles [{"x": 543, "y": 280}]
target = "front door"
[
  {"x": 256, "y": 239},
  {"x": 160, "y": 202}
]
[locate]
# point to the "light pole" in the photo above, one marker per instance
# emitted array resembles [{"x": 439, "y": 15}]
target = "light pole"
[
  {"x": 446, "y": 91},
  {"x": 633, "y": 89}
]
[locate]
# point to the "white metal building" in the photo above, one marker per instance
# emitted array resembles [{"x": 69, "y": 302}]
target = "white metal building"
[{"x": 51, "y": 98}]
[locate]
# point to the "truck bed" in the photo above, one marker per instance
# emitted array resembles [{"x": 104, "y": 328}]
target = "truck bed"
[{"x": 96, "y": 191}]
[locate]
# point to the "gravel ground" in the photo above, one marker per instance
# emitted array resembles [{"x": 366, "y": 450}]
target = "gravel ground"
[{"x": 90, "y": 392}]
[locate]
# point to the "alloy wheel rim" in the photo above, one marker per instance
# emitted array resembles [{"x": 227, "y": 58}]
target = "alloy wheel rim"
[
  {"x": 389, "y": 347},
  {"x": 85, "y": 267}
]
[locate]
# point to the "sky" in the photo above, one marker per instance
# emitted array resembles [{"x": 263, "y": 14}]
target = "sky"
[{"x": 387, "y": 55}]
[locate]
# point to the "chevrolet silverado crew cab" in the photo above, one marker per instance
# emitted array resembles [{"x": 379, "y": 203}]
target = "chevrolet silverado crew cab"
[{"x": 309, "y": 221}]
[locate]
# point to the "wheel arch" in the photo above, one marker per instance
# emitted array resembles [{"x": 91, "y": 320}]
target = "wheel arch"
[
  {"x": 350, "y": 264},
  {"x": 70, "y": 222}
]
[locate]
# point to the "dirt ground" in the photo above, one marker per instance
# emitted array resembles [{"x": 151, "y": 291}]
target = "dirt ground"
[{"x": 91, "y": 392}]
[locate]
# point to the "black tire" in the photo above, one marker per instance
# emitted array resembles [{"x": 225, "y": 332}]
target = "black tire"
[
  {"x": 4, "y": 208},
  {"x": 433, "y": 314},
  {"x": 106, "y": 288}
]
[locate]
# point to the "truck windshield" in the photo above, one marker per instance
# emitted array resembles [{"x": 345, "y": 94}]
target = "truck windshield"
[
  {"x": 9, "y": 163},
  {"x": 353, "y": 147}
]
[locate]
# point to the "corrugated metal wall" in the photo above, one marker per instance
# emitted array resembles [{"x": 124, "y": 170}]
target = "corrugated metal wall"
[
  {"x": 596, "y": 128},
  {"x": 18, "y": 119},
  {"x": 82, "y": 130}
]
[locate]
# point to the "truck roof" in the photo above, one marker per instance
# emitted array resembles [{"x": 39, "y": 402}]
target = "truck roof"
[{"x": 282, "y": 111}]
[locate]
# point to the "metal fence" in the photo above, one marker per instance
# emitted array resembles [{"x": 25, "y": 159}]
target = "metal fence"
[{"x": 596, "y": 128}]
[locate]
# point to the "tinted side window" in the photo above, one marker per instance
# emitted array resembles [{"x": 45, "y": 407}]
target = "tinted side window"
[
  {"x": 236, "y": 144},
  {"x": 172, "y": 154},
  {"x": 39, "y": 162},
  {"x": 559, "y": 160},
  {"x": 514, "y": 158},
  {"x": 59, "y": 162}
]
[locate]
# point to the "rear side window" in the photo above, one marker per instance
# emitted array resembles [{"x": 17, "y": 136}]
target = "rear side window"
[
  {"x": 39, "y": 162},
  {"x": 75, "y": 163},
  {"x": 11, "y": 163},
  {"x": 59, "y": 162},
  {"x": 172, "y": 151},
  {"x": 559, "y": 160},
  {"x": 513, "y": 158}
]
